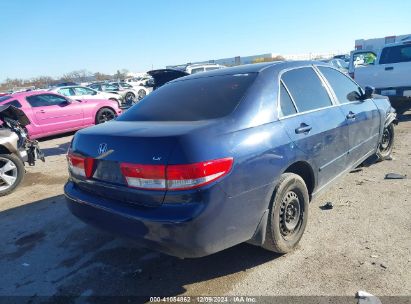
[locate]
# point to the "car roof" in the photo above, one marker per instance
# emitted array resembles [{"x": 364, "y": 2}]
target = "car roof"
[
  {"x": 69, "y": 87},
  {"x": 252, "y": 68},
  {"x": 29, "y": 93}
]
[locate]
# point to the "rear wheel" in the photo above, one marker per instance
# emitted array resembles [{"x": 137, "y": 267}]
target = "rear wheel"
[
  {"x": 104, "y": 115},
  {"x": 11, "y": 173},
  {"x": 130, "y": 98},
  {"x": 387, "y": 143},
  {"x": 288, "y": 214}
]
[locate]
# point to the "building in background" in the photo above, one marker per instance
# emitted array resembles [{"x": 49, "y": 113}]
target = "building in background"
[
  {"x": 239, "y": 60},
  {"x": 379, "y": 43}
]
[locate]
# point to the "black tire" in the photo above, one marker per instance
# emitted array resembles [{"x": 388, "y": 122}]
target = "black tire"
[
  {"x": 17, "y": 173},
  {"x": 141, "y": 94},
  {"x": 105, "y": 114},
  {"x": 288, "y": 209},
  {"x": 130, "y": 98},
  {"x": 387, "y": 143}
]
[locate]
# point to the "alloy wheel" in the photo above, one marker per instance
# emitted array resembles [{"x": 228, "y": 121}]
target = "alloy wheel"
[
  {"x": 105, "y": 115},
  {"x": 8, "y": 173}
]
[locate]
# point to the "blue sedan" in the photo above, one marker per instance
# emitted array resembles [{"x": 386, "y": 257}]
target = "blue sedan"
[{"x": 235, "y": 155}]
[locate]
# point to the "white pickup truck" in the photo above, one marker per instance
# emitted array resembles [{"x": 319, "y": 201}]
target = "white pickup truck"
[{"x": 388, "y": 70}]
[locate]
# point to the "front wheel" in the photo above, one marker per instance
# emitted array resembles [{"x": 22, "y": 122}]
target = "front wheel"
[
  {"x": 288, "y": 214},
  {"x": 387, "y": 143},
  {"x": 11, "y": 173},
  {"x": 141, "y": 94},
  {"x": 104, "y": 115}
]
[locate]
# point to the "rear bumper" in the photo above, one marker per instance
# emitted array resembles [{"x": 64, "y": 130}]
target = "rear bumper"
[{"x": 192, "y": 229}]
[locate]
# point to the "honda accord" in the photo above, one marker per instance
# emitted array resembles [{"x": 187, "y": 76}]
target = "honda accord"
[{"x": 215, "y": 159}]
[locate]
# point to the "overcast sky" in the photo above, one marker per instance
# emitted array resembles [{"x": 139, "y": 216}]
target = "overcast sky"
[{"x": 46, "y": 37}]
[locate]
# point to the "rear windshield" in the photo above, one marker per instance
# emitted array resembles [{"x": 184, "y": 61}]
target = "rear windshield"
[
  {"x": 192, "y": 99},
  {"x": 396, "y": 54}
]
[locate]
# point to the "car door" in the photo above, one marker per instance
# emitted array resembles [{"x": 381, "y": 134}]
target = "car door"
[
  {"x": 314, "y": 123},
  {"x": 362, "y": 116},
  {"x": 54, "y": 113}
]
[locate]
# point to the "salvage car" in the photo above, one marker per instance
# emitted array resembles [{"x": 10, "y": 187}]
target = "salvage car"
[
  {"x": 80, "y": 92},
  {"x": 51, "y": 113},
  {"x": 16, "y": 148},
  {"x": 218, "y": 158}
]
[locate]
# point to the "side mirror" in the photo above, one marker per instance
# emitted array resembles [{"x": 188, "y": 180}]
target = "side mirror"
[{"x": 368, "y": 92}]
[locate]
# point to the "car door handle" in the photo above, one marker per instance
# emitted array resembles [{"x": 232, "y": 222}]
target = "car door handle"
[
  {"x": 41, "y": 111},
  {"x": 389, "y": 68},
  {"x": 303, "y": 128},
  {"x": 350, "y": 115}
]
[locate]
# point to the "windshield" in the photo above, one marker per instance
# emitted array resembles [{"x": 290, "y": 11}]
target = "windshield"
[
  {"x": 192, "y": 99},
  {"x": 3, "y": 98}
]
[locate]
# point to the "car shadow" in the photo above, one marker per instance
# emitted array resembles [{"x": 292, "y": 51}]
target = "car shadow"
[
  {"x": 59, "y": 150},
  {"x": 43, "y": 139},
  {"x": 50, "y": 252},
  {"x": 404, "y": 117}
]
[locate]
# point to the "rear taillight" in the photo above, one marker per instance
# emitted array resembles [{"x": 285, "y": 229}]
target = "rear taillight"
[
  {"x": 145, "y": 176},
  {"x": 79, "y": 165},
  {"x": 175, "y": 177},
  {"x": 190, "y": 176}
]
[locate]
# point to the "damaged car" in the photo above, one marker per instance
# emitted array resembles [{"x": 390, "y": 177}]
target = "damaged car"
[
  {"x": 16, "y": 148},
  {"x": 214, "y": 159}
]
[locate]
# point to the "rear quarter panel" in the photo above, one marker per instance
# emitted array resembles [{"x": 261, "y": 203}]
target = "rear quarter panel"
[{"x": 92, "y": 106}]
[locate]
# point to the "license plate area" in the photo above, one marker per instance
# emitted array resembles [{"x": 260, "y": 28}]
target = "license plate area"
[{"x": 109, "y": 171}]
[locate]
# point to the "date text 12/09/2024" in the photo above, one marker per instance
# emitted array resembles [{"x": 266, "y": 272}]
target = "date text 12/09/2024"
[{"x": 203, "y": 299}]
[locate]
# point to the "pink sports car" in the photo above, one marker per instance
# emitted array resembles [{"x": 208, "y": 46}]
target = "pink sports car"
[{"x": 52, "y": 113}]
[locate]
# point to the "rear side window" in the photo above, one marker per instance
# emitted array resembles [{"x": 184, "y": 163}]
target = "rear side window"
[
  {"x": 66, "y": 92},
  {"x": 197, "y": 70},
  {"x": 83, "y": 91},
  {"x": 192, "y": 99},
  {"x": 344, "y": 88},
  {"x": 15, "y": 103},
  {"x": 306, "y": 89},
  {"x": 286, "y": 104},
  {"x": 396, "y": 54}
]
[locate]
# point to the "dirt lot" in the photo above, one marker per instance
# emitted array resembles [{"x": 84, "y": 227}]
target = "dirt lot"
[{"x": 362, "y": 244}]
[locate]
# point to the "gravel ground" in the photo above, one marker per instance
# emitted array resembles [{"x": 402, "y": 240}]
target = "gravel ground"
[{"x": 363, "y": 243}]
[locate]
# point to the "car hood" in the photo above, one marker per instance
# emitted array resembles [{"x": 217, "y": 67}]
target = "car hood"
[
  {"x": 163, "y": 76},
  {"x": 9, "y": 111}
]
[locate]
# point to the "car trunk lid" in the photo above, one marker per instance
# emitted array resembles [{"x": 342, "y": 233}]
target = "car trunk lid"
[{"x": 119, "y": 142}]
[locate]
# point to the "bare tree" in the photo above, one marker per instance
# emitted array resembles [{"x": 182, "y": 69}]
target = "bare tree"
[
  {"x": 76, "y": 76},
  {"x": 102, "y": 76}
]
